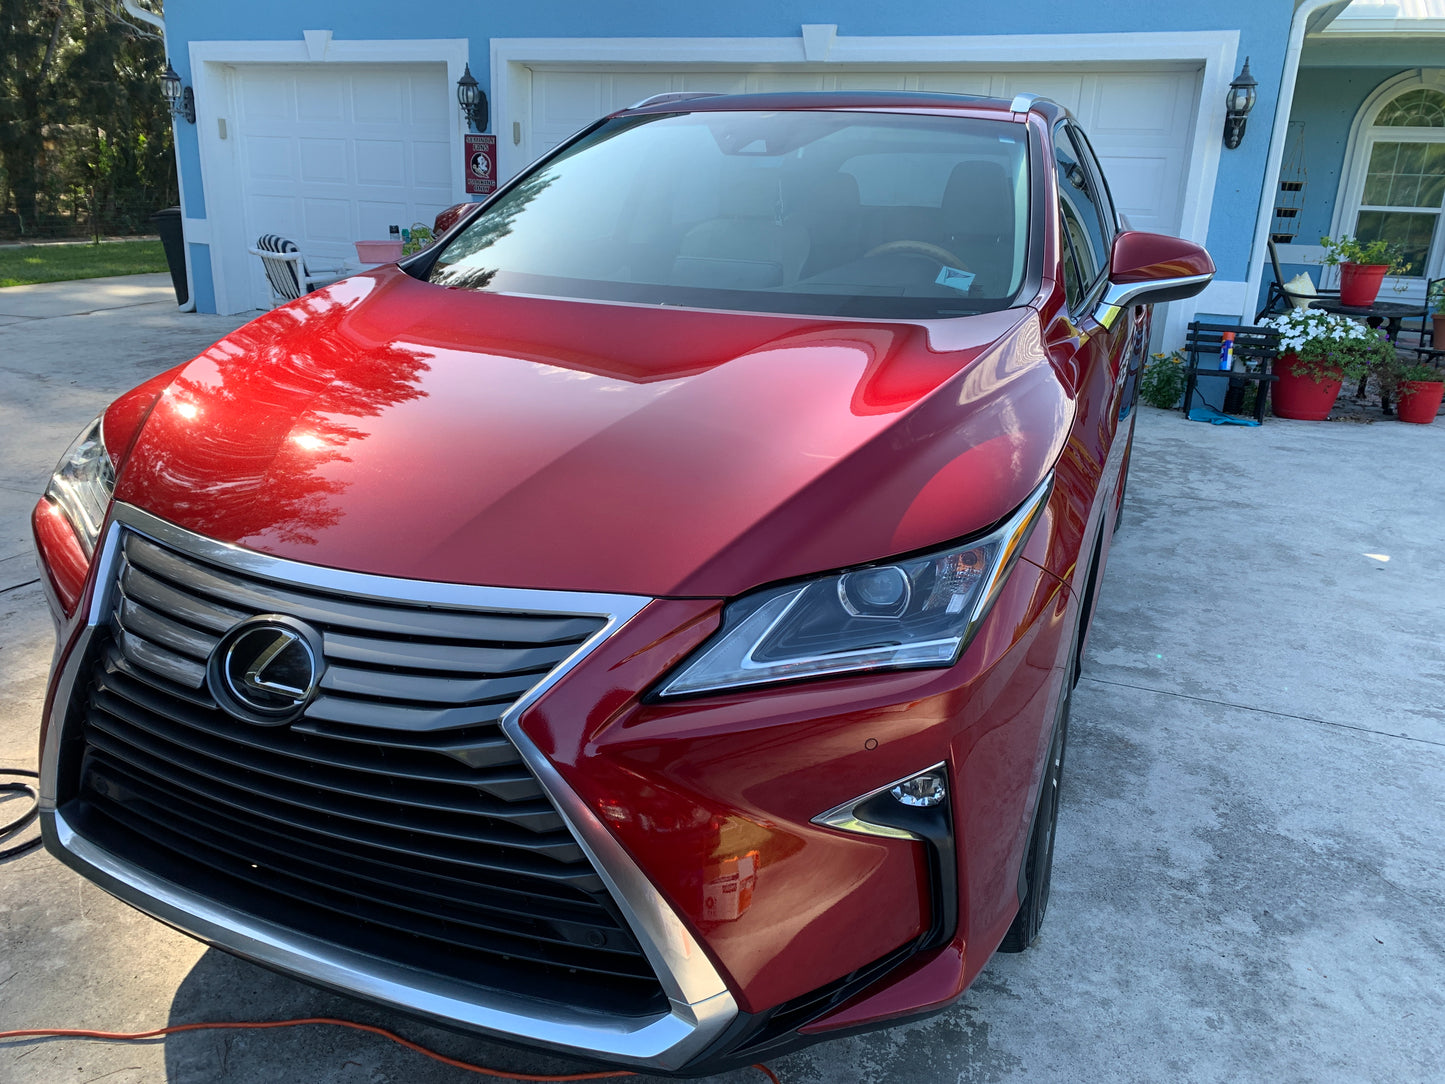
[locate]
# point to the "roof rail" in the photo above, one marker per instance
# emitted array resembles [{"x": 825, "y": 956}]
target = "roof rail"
[
  {"x": 674, "y": 96},
  {"x": 1022, "y": 103}
]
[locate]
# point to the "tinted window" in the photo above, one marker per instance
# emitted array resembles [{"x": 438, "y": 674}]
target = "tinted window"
[
  {"x": 884, "y": 215},
  {"x": 1101, "y": 183},
  {"x": 1083, "y": 218}
]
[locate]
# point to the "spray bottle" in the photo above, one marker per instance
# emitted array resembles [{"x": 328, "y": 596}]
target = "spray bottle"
[{"x": 1226, "y": 351}]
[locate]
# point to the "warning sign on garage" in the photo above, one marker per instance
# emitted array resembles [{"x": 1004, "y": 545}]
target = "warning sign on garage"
[{"x": 481, "y": 156}]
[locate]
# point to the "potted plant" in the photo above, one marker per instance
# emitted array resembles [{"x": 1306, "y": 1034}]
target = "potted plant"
[
  {"x": 1363, "y": 267},
  {"x": 1419, "y": 388},
  {"x": 1318, "y": 351},
  {"x": 1435, "y": 302}
]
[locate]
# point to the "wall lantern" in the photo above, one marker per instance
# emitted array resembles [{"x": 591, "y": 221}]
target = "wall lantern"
[
  {"x": 473, "y": 101},
  {"x": 1237, "y": 104},
  {"x": 180, "y": 99}
]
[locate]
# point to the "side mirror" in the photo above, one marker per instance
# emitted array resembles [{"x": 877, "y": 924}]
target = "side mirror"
[
  {"x": 445, "y": 220},
  {"x": 1147, "y": 268}
]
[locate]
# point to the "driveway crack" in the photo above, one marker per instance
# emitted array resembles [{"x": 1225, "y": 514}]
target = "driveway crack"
[{"x": 1267, "y": 711}]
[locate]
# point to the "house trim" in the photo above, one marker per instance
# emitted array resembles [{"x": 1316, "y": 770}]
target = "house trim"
[
  {"x": 212, "y": 68},
  {"x": 512, "y": 61}
]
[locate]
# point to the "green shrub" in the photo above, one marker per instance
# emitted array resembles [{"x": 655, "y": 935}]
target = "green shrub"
[{"x": 1162, "y": 382}]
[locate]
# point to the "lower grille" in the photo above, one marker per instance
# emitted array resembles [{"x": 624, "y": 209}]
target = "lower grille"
[{"x": 421, "y": 839}]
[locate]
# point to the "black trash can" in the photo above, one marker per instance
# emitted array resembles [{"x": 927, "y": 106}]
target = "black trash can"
[{"x": 173, "y": 240}]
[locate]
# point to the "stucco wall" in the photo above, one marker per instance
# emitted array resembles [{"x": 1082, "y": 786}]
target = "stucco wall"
[{"x": 1263, "y": 33}]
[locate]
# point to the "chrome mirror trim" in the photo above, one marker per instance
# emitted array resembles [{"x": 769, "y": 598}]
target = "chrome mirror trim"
[{"x": 1119, "y": 296}]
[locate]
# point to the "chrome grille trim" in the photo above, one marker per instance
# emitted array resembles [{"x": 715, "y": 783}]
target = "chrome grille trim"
[{"x": 701, "y": 1007}]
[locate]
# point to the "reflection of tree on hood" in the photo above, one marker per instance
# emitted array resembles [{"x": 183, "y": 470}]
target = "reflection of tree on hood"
[
  {"x": 464, "y": 267},
  {"x": 274, "y": 403}
]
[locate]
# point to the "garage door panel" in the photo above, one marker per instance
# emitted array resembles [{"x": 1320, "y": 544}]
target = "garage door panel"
[
  {"x": 870, "y": 81},
  {"x": 265, "y": 100},
  {"x": 1067, "y": 90},
  {"x": 271, "y": 157},
  {"x": 327, "y": 220},
  {"x": 319, "y": 100},
  {"x": 953, "y": 83},
  {"x": 715, "y": 82},
  {"x": 379, "y": 99},
  {"x": 275, "y": 214},
  {"x": 433, "y": 165},
  {"x": 323, "y": 161},
  {"x": 1154, "y": 106},
  {"x": 782, "y": 82},
  {"x": 629, "y": 88},
  {"x": 380, "y": 161}
]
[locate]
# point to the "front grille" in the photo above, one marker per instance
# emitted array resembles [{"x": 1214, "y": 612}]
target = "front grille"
[{"x": 393, "y": 818}]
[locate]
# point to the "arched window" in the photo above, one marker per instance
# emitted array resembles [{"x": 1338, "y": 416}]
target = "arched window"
[{"x": 1397, "y": 191}]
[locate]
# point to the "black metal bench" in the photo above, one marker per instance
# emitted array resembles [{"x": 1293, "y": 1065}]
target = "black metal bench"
[{"x": 1255, "y": 347}]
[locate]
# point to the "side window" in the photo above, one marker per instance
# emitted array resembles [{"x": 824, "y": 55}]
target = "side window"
[
  {"x": 1069, "y": 239},
  {"x": 1101, "y": 187},
  {"x": 1083, "y": 218}
]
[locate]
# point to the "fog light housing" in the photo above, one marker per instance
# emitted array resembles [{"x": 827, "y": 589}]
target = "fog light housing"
[
  {"x": 922, "y": 791},
  {"x": 915, "y": 808}
]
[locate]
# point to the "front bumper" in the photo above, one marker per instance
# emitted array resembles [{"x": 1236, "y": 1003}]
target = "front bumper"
[{"x": 676, "y": 806}]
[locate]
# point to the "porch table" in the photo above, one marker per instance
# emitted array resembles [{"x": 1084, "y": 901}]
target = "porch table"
[{"x": 1389, "y": 313}]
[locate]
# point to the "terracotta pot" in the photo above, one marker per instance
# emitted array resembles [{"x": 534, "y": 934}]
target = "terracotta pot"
[
  {"x": 1300, "y": 397},
  {"x": 1420, "y": 400},
  {"x": 1360, "y": 283},
  {"x": 1437, "y": 330}
]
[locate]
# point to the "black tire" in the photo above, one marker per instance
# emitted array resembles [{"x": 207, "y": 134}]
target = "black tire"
[{"x": 1037, "y": 874}]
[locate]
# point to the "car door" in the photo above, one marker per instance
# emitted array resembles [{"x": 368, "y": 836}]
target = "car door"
[{"x": 1095, "y": 357}]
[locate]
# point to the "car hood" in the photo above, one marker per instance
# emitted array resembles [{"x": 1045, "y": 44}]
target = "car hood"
[{"x": 390, "y": 426}]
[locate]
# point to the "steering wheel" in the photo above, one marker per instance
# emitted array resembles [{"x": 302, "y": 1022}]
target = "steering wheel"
[{"x": 918, "y": 248}]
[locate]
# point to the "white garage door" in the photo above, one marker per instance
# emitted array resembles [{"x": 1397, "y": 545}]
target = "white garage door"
[
  {"x": 336, "y": 153},
  {"x": 1139, "y": 118}
]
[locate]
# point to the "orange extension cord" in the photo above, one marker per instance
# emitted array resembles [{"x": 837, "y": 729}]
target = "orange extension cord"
[{"x": 132, "y": 1036}]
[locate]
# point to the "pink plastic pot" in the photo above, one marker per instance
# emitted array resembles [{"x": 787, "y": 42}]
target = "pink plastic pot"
[{"x": 378, "y": 251}]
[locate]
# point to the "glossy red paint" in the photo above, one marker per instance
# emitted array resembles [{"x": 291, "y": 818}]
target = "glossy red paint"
[
  {"x": 62, "y": 561},
  {"x": 1145, "y": 257},
  {"x": 720, "y": 776},
  {"x": 124, "y": 417},
  {"x": 390, "y": 426}
]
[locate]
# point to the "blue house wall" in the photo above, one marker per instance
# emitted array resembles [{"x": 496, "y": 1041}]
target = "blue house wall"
[{"x": 1263, "y": 29}]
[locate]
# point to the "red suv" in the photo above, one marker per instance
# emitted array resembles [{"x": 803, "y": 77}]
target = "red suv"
[{"x": 643, "y": 624}]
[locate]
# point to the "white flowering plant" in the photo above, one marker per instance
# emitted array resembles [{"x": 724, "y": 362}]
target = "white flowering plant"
[{"x": 1327, "y": 346}]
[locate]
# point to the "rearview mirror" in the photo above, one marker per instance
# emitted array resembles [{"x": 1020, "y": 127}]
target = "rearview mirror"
[{"x": 1147, "y": 268}]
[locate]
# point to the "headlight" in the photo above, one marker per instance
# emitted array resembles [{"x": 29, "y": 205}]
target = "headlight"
[
  {"x": 82, "y": 485},
  {"x": 917, "y": 612}
]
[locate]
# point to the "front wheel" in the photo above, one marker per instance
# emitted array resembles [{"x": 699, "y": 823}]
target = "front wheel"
[{"x": 1039, "y": 864}]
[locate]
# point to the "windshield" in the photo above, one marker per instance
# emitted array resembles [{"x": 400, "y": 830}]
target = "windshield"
[{"x": 826, "y": 213}]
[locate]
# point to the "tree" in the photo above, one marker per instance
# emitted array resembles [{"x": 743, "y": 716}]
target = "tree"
[{"x": 82, "y": 120}]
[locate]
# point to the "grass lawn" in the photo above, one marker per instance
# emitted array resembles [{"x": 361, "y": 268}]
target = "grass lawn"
[{"x": 22, "y": 265}]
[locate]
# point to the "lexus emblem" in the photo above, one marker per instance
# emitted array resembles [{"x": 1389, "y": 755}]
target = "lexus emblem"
[{"x": 266, "y": 669}]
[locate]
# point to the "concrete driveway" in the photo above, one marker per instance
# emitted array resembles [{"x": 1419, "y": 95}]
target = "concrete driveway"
[{"x": 1250, "y": 878}]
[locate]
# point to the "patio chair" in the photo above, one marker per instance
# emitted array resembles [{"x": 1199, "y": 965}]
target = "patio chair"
[
  {"x": 1256, "y": 347},
  {"x": 1280, "y": 298},
  {"x": 1427, "y": 348},
  {"x": 289, "y": 274}
]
